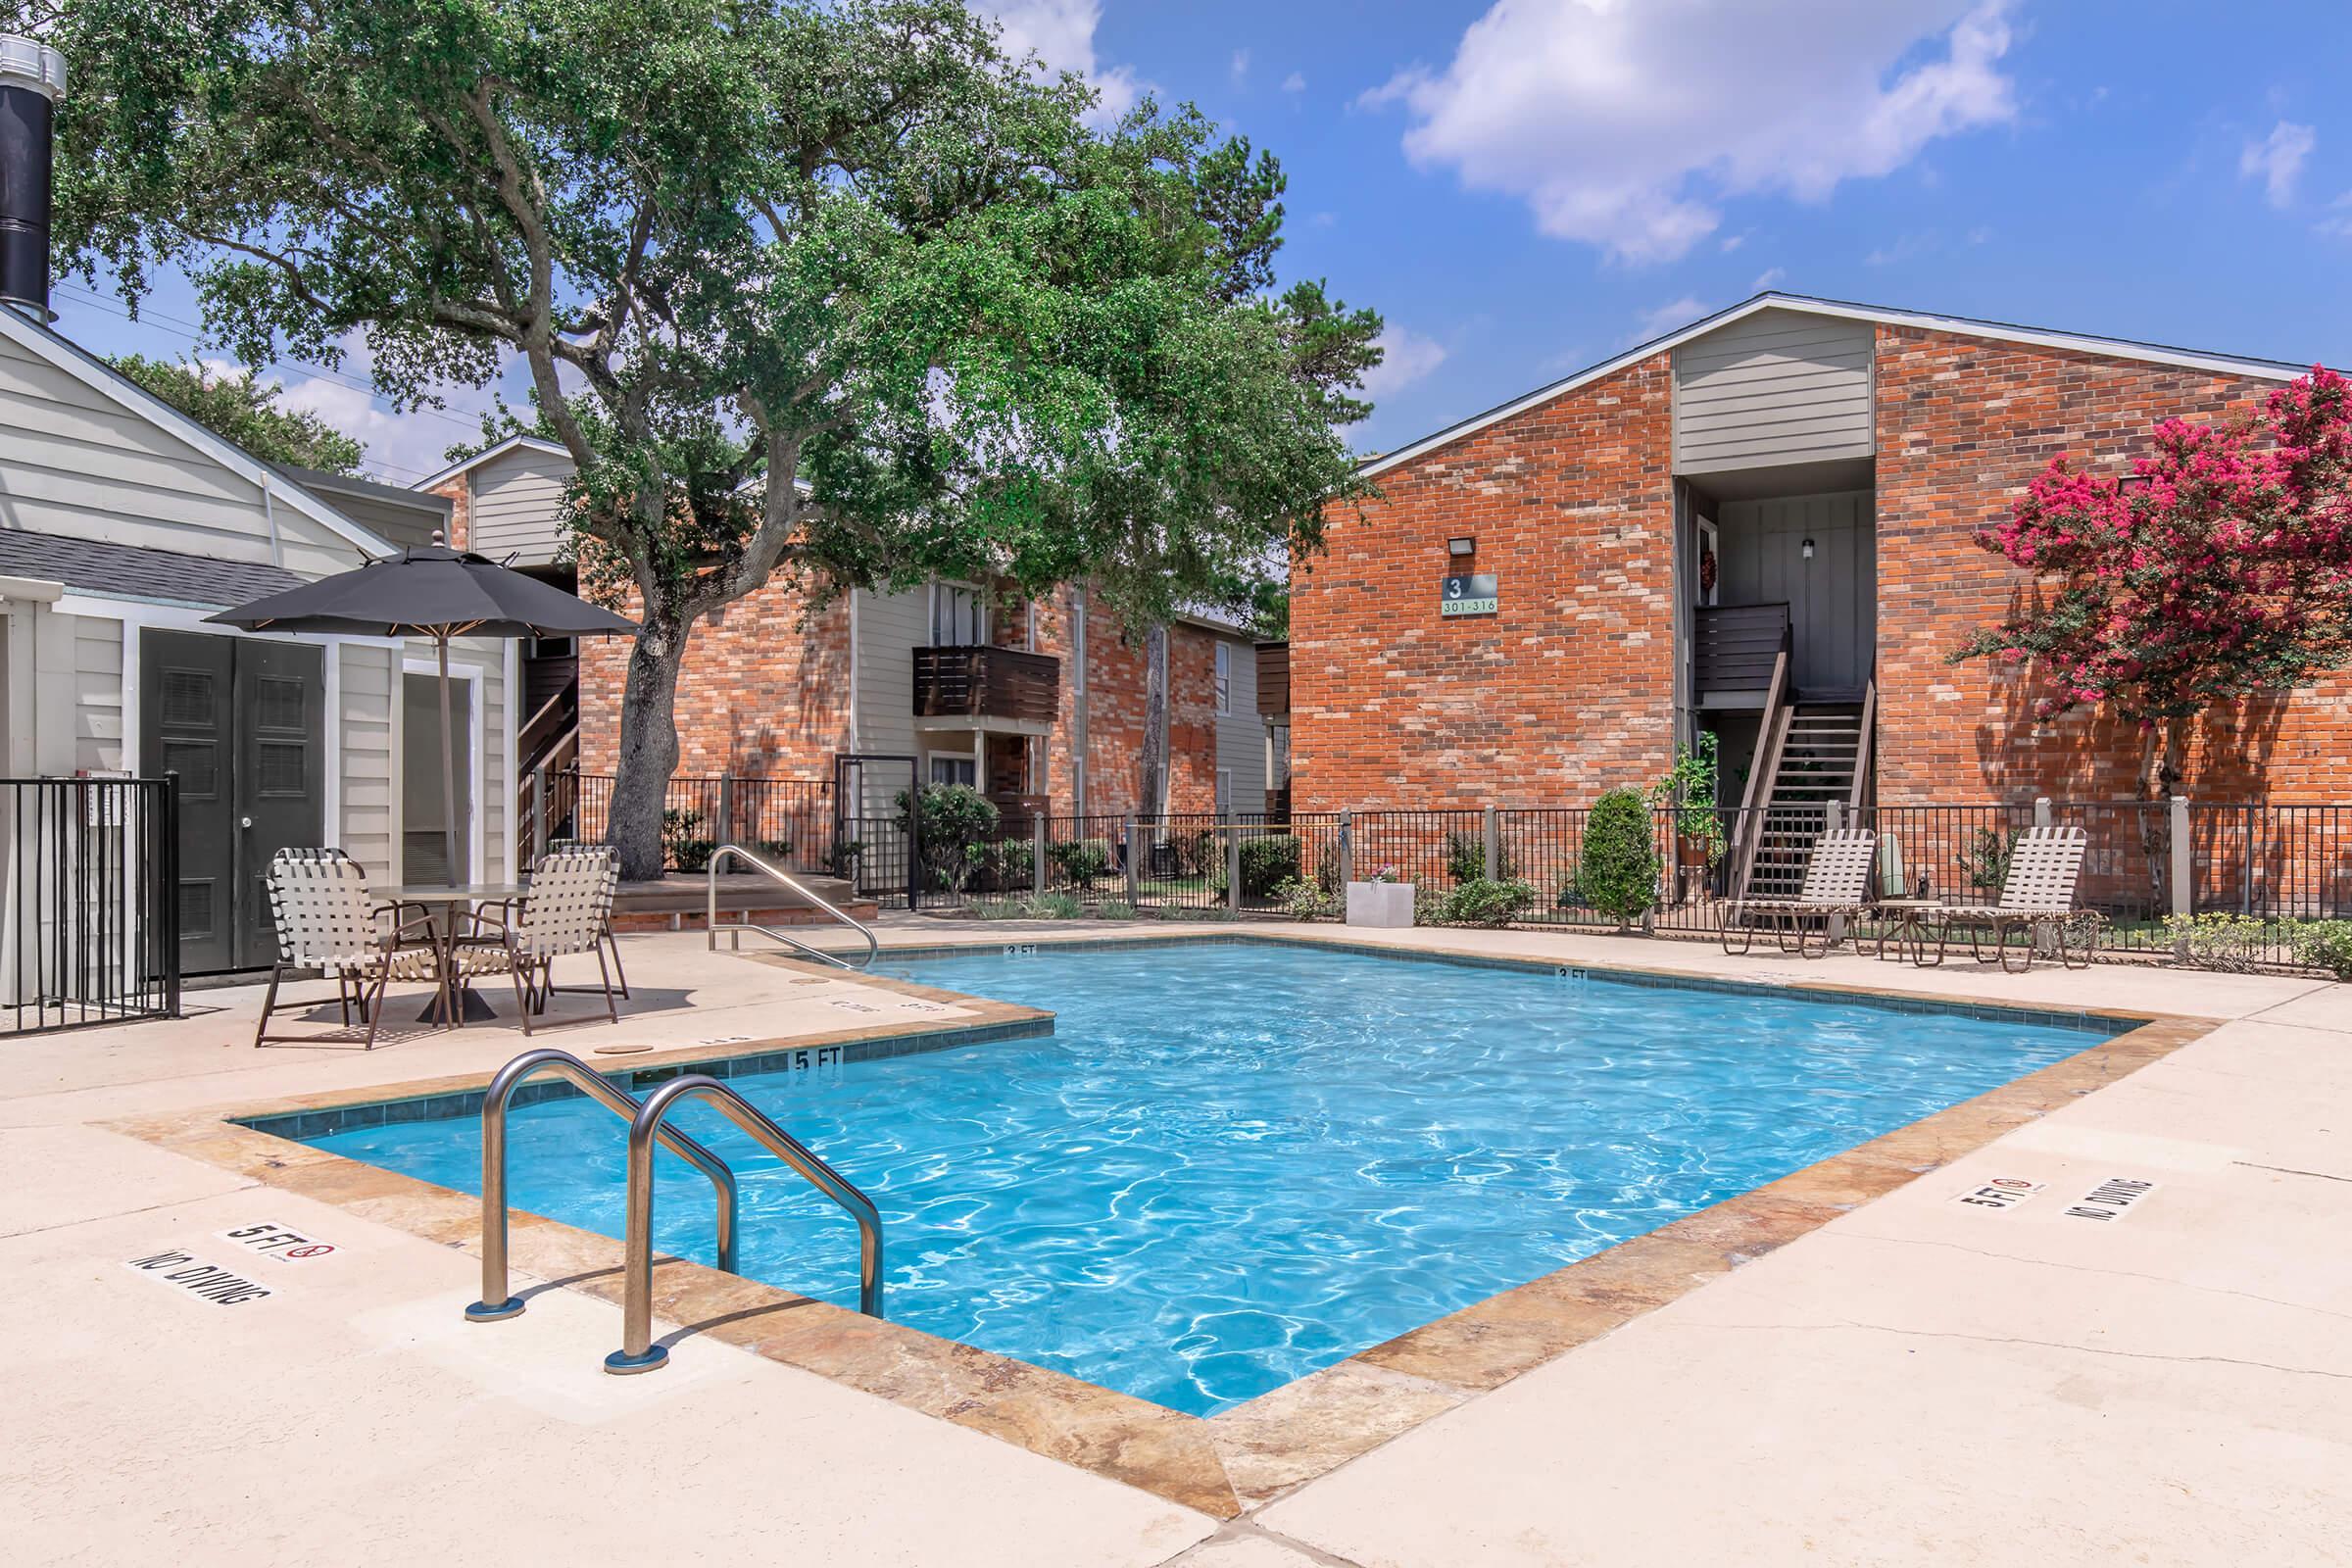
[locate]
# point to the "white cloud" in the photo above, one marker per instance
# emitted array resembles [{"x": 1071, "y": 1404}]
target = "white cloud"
[
  {"x": 1624, "y": 124},
  {"x": 2278, "y": 160},
  {"x": 1061, "y": 35},
  {"x": 1241, "y": 67},
  {"x": 402, "y": 448},
  {"x": 1767, "y": 278},
  {"x": 1294, "y": 83},
  {"x": 1670, "y": 317},
  {"x": 2338, "y": 221},
  {"x": 1406, "y": 357}
]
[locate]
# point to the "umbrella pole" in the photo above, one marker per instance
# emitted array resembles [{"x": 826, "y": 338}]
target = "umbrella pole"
[{"x": 449, "y": 769}]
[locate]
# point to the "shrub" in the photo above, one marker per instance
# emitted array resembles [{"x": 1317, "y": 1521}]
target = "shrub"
[
  {"x": 2227, "y": 941},
  {"x": 1305, "y": 899},
  {"x": 1689, "y": 790},
  {"x": 777, "y": 850},
  {"x": 1008, "y": 865},
  {"x": 1081, "y": 861},
  {"x": 1618, "y": 874},
  {"x": 1056, "y": 906},
  {"x": 1266, "y": 865},
  {"x": 1986, "y": 862},
  {"x": 682, "y": 837},
  {"x": 1478, "y": 902},
  {"x": 1467, "y": 857},
  {"x": 1116, "y": 910},
  {"x": 1327, "y": 870},
  {"x": 2325, "y": 945},
  {"x": 998, "y": 908},
  {"x": 955, "y": 820}
]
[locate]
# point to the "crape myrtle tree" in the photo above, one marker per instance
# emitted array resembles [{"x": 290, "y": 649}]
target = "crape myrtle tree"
[
  {"x": 833, "y": 293},
  {"x": 2221, "y": 567}
]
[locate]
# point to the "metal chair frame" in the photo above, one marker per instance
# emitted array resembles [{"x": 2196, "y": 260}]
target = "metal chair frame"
[{"x": 335, "y": 928}]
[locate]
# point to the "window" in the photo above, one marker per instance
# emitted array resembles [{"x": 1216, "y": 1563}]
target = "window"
[
  {"x": 1224, "y": 785},
  {"x": 1224, "y": 679},
  {"x": 958, "y": 615},
  {"x": 955, "y": 770}
]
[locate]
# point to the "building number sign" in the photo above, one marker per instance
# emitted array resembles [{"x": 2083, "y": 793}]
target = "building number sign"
[{"x": 1478, "y": 595}]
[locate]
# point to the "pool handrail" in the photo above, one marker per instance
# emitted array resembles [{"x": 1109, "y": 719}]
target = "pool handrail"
[
  {"x": 498, "y": 1302},
  {"x": 874, "y": 944},
  {"x": 638, "y": 1352}
]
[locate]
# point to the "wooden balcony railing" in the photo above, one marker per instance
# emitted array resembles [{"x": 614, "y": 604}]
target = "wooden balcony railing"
[
  {"x": 1734, "y": 646},
  {"x": 1273, "y": 680},
  {"x": 980, "y": 683}
]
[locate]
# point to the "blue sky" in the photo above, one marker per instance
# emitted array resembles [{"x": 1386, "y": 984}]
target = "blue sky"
[{"x": 1524, "y": 188}]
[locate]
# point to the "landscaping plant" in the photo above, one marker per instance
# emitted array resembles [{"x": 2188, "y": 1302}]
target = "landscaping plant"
[
  {"x": 1266, "y": 865},
  {"x": 1467, "y": 857},
  {"x": 1479, "y": 901},
  {"x": 835, "y": 292},
  {"x": 953, "y": 832},
  {"x": 2324, "y": 945},
  {"x": 1618, "y": 872},
  {"x": 683, "y": 843},
  {"x": 1080, "y": 860},
  {"x": 2231, "y": 943},
  {"x": 1688, "y": 790}
]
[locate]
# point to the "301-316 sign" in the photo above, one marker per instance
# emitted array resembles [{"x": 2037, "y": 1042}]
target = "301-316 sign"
[{"x": 1478, "y": 595}]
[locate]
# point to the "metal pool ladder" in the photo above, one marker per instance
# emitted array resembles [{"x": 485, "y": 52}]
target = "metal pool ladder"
[
  {"x": 737, "y": 928},
  {"x": 638, "y": 1352}
]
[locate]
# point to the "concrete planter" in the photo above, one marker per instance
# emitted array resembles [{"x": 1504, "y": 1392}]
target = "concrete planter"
[{"x": 1386, "y": 905}]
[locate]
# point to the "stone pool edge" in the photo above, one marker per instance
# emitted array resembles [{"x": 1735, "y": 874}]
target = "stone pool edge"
[{"x": 1242, "y": 1458}]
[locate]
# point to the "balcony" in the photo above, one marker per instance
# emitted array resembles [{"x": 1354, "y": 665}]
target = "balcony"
[
  {"x": 996, "y": 689},
  {"x": 1274, "y": 680},
  {"x": 1735, "y": 648}
]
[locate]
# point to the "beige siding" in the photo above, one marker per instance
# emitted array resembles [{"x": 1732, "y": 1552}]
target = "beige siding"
[
  {"x": 73, "y": 462},
  {"x": 889, "y": 627},
  {"x": 517, "y": 505},
  {"x": 1241, "y": 733},
  {"x": 1775, "y": 387},
  {"x": 362, "y": 708}
]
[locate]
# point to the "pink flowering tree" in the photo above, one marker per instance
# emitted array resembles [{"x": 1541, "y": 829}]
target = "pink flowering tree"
[{"x": 2221, "y": 566}]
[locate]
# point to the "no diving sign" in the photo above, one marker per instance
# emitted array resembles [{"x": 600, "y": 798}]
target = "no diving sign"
[{"x": 199, "y": 1279}]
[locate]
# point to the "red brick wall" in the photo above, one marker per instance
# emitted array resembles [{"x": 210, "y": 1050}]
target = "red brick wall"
[
  {"x": 1963, "y": 424},
  {"x": 1567, "y": 690},
  {"x": 1193, "y": 721},
  {"x": 459, "y": 492},
  {"x": 761, "y": 695}
]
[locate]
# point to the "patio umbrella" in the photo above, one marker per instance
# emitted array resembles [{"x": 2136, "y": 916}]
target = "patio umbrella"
[{"x": 430, "y": 590}]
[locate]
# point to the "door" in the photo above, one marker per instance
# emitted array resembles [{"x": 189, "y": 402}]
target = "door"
[
  {"x": 242, "y": 723},
  {"x": 423, "y": 845}
]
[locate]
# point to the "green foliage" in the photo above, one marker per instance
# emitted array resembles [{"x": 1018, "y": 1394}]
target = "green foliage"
[
  {"x": 827, "y": 289},
  {"x": 2231, "y": 943},
  {"x": 1467, "y": 857},
  {"x": 1688, "y": 789},
  {"x": 1006, "y": 865},
  {"x": 1477, "y": 901},
  {"x": 243, "y": 410},
  {"x": 1080, "y": 860},
  {"x": 951, "y": 833},
  {"x": 1266, "y": 865},
  {"x": 682, "y": 840},
  {"x": 1618, "y": 874},
  {"x": 1985, "y": 861},
  {"x": 777, "y": 851},
  {"x": 2324, "y": 945},
  {"x": 1048, "y": 907},
  {"x": 1116, "y": 910},
  {"x": 1306, "y": 899}
]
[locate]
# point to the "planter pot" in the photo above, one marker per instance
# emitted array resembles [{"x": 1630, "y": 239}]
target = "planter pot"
[{"x": 1385, "y": 905}]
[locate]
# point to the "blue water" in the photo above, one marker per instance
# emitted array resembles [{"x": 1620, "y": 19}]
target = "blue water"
[{"x": 1234, "y": 1164}]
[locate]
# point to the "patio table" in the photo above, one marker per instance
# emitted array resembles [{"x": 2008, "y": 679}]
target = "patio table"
[
  {"x": 1904, "y": 923},
  {"x": 452, "y": 899}
]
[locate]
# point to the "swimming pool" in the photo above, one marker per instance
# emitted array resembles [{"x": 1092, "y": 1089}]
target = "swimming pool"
[{"x": 1236, "y": 1162}]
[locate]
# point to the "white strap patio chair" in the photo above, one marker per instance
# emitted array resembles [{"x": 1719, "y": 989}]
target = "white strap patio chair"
[
  {"x": 325, "y": 920},
  {"x": 565, "y": 912},
  {"x": 1836, "y": 884},
  {"x": 620, "y": 977},
  {"x": 2039, "y": 894}
]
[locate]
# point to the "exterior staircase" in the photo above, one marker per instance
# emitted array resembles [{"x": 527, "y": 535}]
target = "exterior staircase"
[{"x": 1824, "y": 754}]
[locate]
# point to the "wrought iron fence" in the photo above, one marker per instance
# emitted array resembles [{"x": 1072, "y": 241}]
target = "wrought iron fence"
[
  {"x": 89, "y": 932},
  {"x": 789, "y": 821}
]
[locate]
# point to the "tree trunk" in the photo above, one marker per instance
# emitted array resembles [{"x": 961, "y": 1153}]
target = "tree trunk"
[
  {"x": 1152, "y": 764},
  {"x": 649, "y": 745},
  {"x": 2161, "y": 760}
]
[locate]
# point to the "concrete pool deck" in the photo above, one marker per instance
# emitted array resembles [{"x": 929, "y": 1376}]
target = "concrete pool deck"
[{"x": 1912, "y": 1380}]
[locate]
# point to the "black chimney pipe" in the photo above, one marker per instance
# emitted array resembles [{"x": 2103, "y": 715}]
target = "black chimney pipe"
[{"x": 31, "y": 76}]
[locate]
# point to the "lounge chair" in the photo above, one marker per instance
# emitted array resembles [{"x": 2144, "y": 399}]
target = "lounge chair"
[
  {"x": 2037, "y": 895},
  {"x": 564, "y": 912},
  {"x": 1836, "y": 884},
  {"x": 620, "y": 977},
  {"x": 325, "y": 920}
]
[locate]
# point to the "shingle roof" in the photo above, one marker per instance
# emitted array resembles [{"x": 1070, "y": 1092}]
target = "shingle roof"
[{"x": 128, "y": 570}]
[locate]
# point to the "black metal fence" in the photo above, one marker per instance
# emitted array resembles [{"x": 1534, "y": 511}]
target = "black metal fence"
[
  {"x": 89, "y": 930},
  {"x": 789, "y": 821}
]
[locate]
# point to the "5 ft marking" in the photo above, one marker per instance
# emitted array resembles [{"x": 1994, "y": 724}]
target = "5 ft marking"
[{"x": 277, "y": 1241}]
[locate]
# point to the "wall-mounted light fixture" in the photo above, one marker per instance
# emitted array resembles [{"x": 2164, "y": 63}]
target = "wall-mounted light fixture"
[
  {"x": 1808, "y": 550},
  {"x": 1461, "y": 545}
]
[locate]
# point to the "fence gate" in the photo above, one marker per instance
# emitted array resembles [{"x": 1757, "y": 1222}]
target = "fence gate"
[{"x": 870, "y": 841}]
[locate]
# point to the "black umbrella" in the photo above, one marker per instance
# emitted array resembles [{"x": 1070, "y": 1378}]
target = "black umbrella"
[{"x": 435, "y": 591}]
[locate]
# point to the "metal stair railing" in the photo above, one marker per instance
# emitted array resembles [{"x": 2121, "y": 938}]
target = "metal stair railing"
[
  {"x": 874, "y": 944},
  {"x": 498, "y": 1302},
  {"x": 638, "y": 1352}
]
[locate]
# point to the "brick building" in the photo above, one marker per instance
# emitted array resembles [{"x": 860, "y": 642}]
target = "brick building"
[
  {"x": 1040, "y": 704},
  {"x": 1759, "y": 526}
]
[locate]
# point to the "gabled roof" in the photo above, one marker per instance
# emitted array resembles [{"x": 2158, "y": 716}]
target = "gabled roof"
[
  {"x": 1807, "y": 303},
  {"x": 118, "y": 572},
  {"x": 39, "y": 340},
  {"x": 554, "y": 449}
]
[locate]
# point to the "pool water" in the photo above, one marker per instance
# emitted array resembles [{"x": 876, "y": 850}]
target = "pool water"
[{"x": 1235, "y": 1163}]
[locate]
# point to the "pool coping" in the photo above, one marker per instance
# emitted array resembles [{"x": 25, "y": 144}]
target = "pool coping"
[{"x": 1248, "y": 1455}]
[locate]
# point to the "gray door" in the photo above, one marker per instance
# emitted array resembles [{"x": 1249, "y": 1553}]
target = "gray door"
[
  {"x": 241, "y": 724},
  {"x": 424, "y": 845}
]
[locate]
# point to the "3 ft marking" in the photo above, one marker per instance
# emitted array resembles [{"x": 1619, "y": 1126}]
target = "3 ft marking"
[
  {"x": 276, "y": 1241},
  {"x": 2002, "y": 1191},
  {"x": 2111, "y": 1200},
  {"x": 1021, "y": 950},
  {"x": 206, "y": 1282}
]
